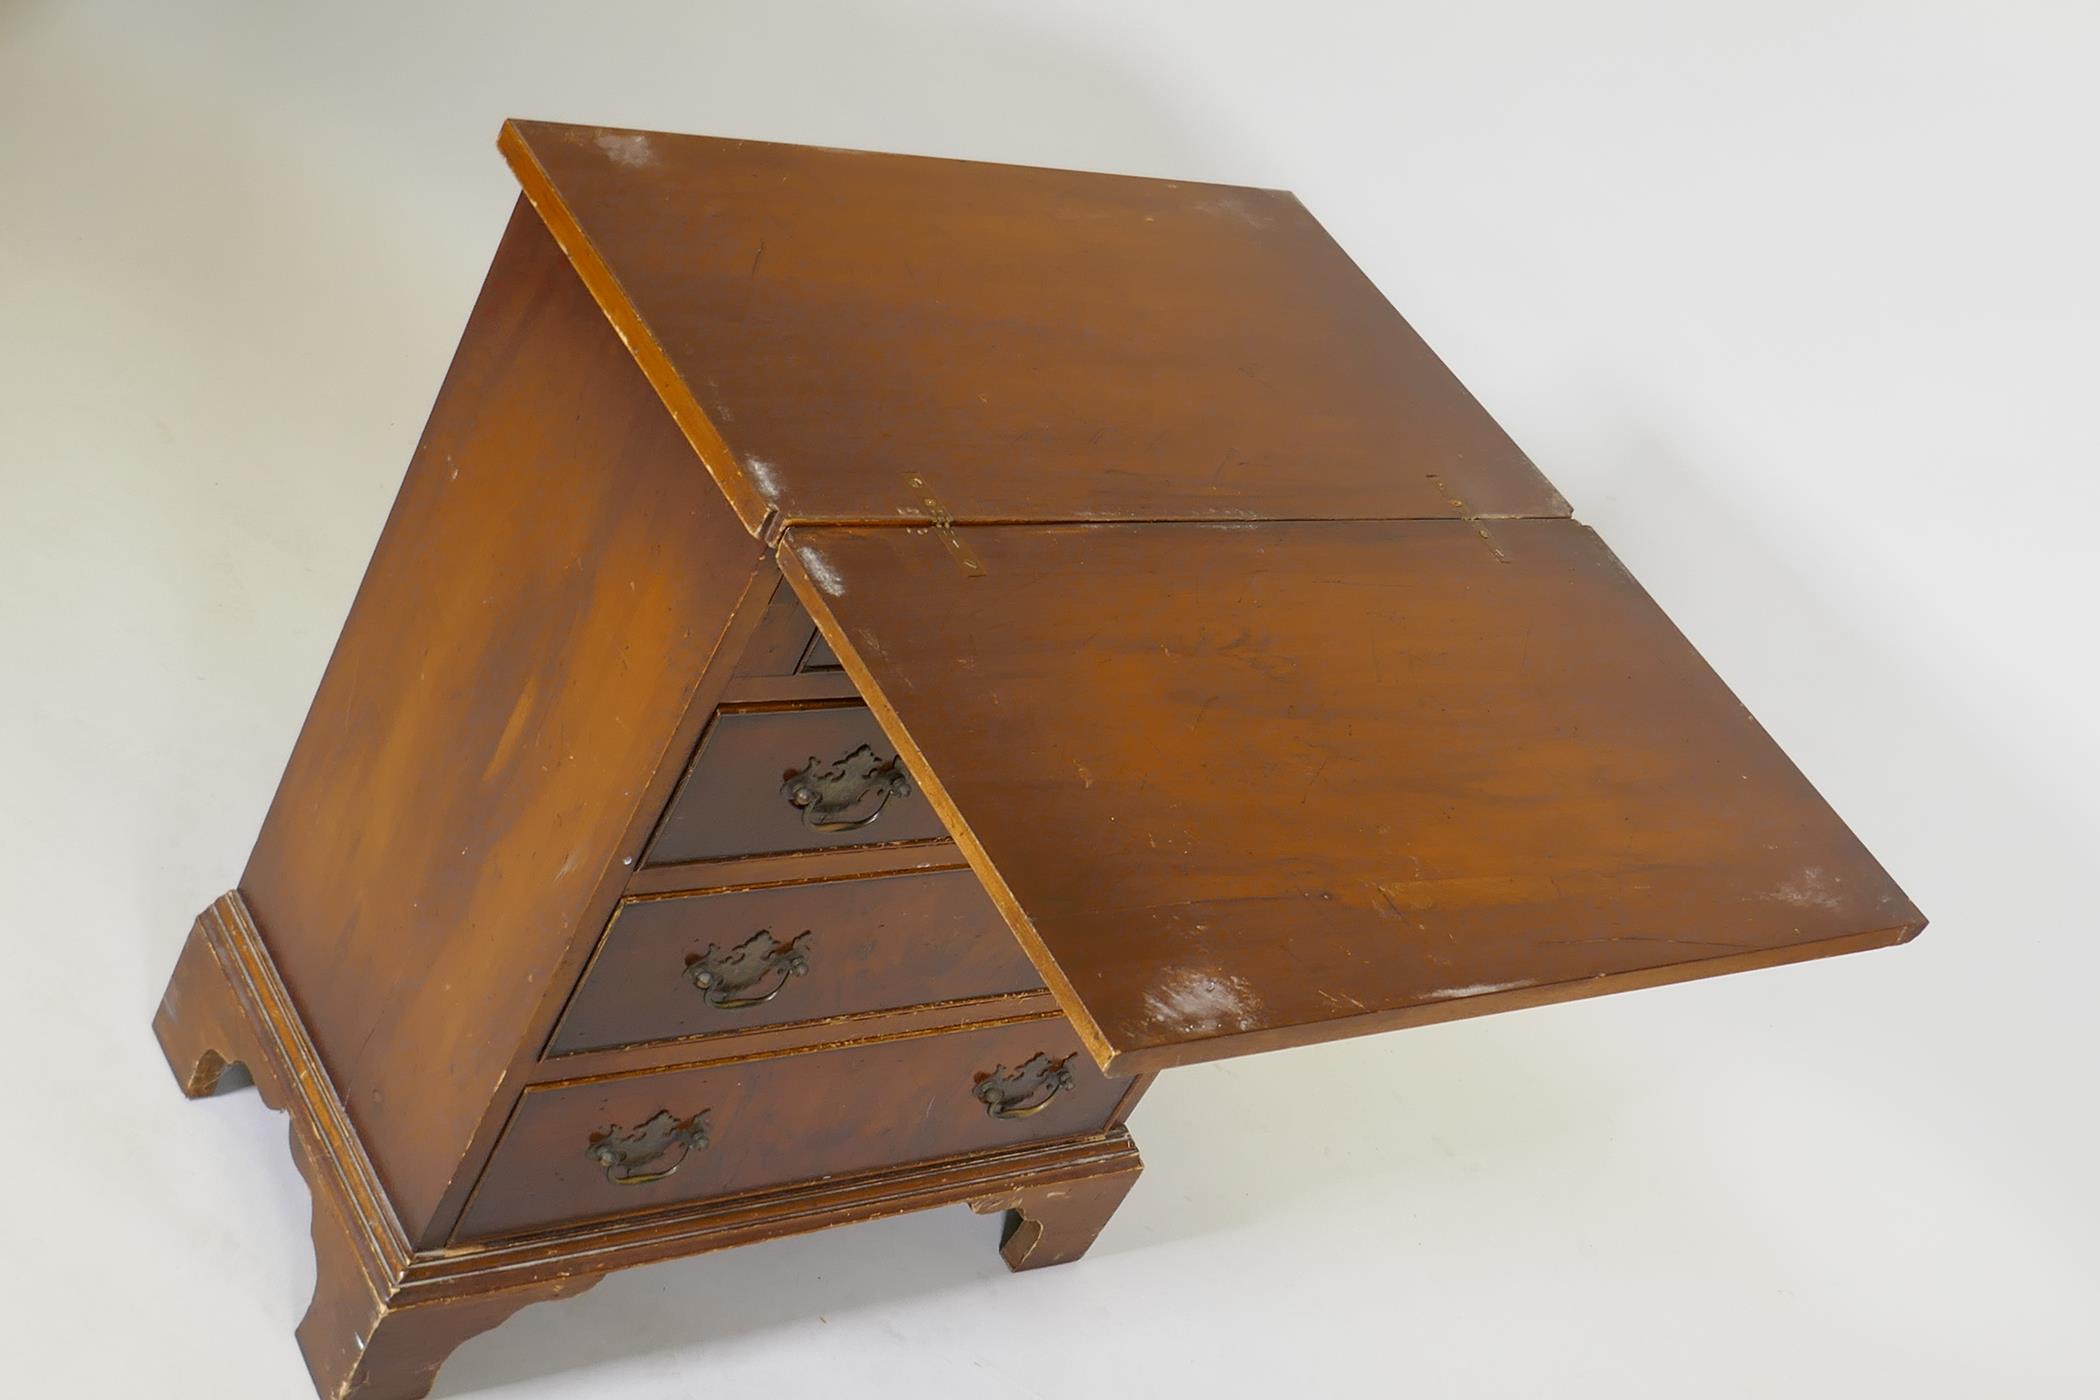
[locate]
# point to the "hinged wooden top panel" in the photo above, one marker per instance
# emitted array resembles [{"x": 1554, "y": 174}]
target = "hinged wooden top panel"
[
  {"x": 846, "y": 336},
  {"x": 1240, "y": 787}
]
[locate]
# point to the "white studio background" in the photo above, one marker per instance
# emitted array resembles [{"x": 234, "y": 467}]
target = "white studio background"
[{"x": 1795, "y": 300}]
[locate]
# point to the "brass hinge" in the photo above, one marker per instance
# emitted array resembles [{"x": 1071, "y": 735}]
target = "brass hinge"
[{"x": 944, "y": 525}]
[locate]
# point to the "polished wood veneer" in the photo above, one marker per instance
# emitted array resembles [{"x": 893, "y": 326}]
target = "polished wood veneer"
[
  {"x": 872, "y": 658},
  {"x": 728, "y": 804},
  {"x": 828, "y": 326},
  {"x": 386, "y": 1314},
  {"x": 1364, "y": 775},
  {"x": 860, "y": 945},
  {"x": 779, "y": 1119},
  {"x": 495, "y": 733}
]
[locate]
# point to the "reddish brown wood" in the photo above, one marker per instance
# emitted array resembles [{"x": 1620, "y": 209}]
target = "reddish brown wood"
[
  {"x": 384, "y": 1316},
  {"x": 731, "y": 804},
  {"x": 202, "y": 1029},
  {"x": 487, "y": 740},
  {"x": 868, "y": 944},
  {"x": 819, "y": 658},
  {"x": 803, "y": 687},
  {"x": 778, "y": 1120},
  {"x": 1056, "y": 1223},
  {"x": 856, "y": 337},
  {"x": 1335, "y": 777},
  {"x": 362, "y": 1344},
  {"x": 1390, "y": 755},
  {"x": 719, "y": 1223},
  {"x": 783, "y": 637},
  {"x": 793, "y": 866},
  {"x": 362, "y": 1335},
  {"x": 793, "y": 1036}
]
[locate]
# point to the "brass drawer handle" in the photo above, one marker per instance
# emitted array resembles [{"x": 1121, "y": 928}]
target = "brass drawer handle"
[
  {"x": 826, "y": 793},
  {"x": 728, "y": 978},
  {"x": 1024, "y": 1092},
  {"x": 624, "y": 1151}
]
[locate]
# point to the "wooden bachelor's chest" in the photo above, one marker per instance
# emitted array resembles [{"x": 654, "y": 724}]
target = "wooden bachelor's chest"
[{"x": 874, "y": 658}]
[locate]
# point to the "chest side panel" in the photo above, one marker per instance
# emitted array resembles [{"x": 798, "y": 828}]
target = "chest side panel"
[{"x": 554, "y": 577}]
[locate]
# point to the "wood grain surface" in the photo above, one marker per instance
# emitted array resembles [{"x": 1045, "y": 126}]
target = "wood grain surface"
[
  {"x": 549, "y": 588},
  {"x": 780, "y": 1119},
  {"x": 1240, "y": 787},
  {"x": 848, "y": 336},
  {"x": 870, "y": 945},
  {"x": 730, "y": 804}
]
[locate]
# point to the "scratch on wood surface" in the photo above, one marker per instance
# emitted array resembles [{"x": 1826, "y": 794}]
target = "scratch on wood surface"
[
  {"x": 1809, "y": 889},
  {"x": 943, "y": 523},
  {"x": 1466, "y": 514},
  {"x": 1237, "y": 207},
  {"x": 1478, "y": 989},
  {"x": 1199, "y": 1001},
  {"x": 514, "y": 730},
  {"x": 765, "y": 478},
  {"x": 820, "y": 571},
  {"x": 628, "y": 148},
  {"x": 1467, "y": 892},
  {"x": 1644, "y": 938}
]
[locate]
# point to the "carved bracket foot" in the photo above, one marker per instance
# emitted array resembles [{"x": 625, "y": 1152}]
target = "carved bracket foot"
[
  {"x": 1056, "y": 1222},
  {"x": 201, "y": 1027},
  {"x": 371, "y": 1332},
  {"x": 360, "y": 1347}
]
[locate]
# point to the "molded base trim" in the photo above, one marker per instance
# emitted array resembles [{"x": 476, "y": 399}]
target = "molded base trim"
[{"x": 385, "y": 1316}]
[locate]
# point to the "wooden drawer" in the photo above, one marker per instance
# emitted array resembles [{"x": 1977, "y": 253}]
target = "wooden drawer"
[
  {"x": 782, "y": 1119},
  {"x": 733, "y": 800},
  {"x": 673, "y": 966},
  {"x": 785, "y": 642}
]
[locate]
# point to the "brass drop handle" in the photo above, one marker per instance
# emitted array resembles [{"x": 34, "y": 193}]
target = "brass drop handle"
[
  {"x": 826, "y": 793},
  {"x": 626, "y": 1152},
  {"x": 1024, "y": 1092},
  {"x": 730, "y": 979}
]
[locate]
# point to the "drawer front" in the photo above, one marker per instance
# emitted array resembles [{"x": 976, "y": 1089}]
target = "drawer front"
[
  {"x": 617, "y": 1146},
  {"x": 785, "y": 642},
  {"x": 819, "y": 656},
  {"x": 769, "y": 782},
  {"x": 673, "y": 966}
]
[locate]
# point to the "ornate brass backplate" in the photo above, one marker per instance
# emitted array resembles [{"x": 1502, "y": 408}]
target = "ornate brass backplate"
[
  {"x": 1024, "y": 1092},
  {"x": 626, "y": 1152},
  {"x": 730, "y": 978},
  {"x": 829, "y": 795}
]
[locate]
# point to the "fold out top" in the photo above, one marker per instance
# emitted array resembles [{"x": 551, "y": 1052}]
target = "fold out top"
[
  {"x": 1262, "y": 680},
  {"x": 1238, "y": 787},
  {"x": 854, "y": 337}
]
